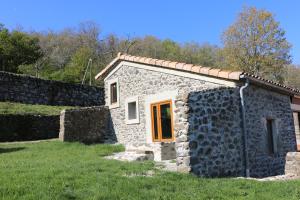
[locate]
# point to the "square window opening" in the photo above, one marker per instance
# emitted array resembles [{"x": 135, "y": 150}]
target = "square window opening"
[{"x": 132, "y": 112}]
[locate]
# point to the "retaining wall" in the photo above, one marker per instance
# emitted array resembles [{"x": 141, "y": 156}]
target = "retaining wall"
[
  {"x": 28, "y": 127},
  {"x": 86, "y": 125},
  {"x": 31, "y": 90}
]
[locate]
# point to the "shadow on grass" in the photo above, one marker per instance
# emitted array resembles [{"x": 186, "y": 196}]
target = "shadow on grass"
[{"x": 9, "y": 150}]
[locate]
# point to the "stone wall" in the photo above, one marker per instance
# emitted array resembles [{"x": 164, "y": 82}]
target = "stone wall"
[
  {"x": 292, "y": 166},
  {"x": 144, "y": 83},
  {"x": 28, "y": 127},
  {"x": 207, "y": 122},
  {"x": 262, "y": 104},
  {"x": 210, "y": 134},
  {"x": 208, "y": 127},
  {"x": 30, "y": 90},
  {"x": 86, "y": 125}
]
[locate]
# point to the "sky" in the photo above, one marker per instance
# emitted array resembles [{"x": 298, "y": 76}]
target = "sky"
[{"x": 181, "y": 21}]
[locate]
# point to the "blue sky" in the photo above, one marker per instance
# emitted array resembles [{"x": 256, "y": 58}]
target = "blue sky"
[{"x": 182, "y": 21}]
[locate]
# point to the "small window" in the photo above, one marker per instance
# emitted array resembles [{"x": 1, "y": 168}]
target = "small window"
[
  {"x": 132, "y": 110},
  {"x": 113, "y": 93},
  {"x": 270, "y": 136}
]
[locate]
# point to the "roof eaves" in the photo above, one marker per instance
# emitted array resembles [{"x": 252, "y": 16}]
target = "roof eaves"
[{"x": 268, "y": 83}]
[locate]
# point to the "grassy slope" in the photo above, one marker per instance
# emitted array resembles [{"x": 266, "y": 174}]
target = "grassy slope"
[
  {"x": 55, "y": 170},
  {"x": 18, "y": 108}
]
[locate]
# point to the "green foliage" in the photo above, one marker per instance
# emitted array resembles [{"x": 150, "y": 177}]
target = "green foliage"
[
  {"x": 293, "y": 76},
  {"x": 17, "y": 48},
  {"x": 255, "y": 43},
  {"x": 75, "y": 69},
  {"x": 170, "y": 50},
  {"x": 57, "y": 170},
  {"x": 19, "y": 108}
]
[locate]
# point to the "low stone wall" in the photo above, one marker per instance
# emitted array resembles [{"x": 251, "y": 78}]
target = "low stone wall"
[
  {"x": 292, "y": 164},
  {"x": 31, "y": 90},
  {"x": 28, "y": 127},
  {"x": 86, "y": 125}
]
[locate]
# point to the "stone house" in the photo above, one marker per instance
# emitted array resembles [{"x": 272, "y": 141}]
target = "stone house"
[{"x": 213, "y": 122}]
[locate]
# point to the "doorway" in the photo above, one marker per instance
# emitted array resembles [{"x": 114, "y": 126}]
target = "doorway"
[{"x": 162, "y": 121}]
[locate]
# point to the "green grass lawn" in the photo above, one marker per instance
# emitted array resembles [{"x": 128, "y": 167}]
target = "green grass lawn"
[
  {"x": 56, "y": 170},
  {"x": 19, "y": 108}
]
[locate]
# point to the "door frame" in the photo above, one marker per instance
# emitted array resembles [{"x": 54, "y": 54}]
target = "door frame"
[{"x": 157, "y": 104}]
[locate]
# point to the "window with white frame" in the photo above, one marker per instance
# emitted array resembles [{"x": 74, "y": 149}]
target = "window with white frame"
[
  {"x": 132, "y": 110},
  {"x": 113, "y": 93}
]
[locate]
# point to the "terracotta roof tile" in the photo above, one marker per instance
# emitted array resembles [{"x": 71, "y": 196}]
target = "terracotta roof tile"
[
  {"x": 196, "y": 69},
  {"x": 218, "y": 73},
  {"x": 159, "y": 62},
  {"x": 147, "y": 60},
  {"x": 188, "y": 67},
  {"x": 214, "y": 72},
  {"x": 204, "y": 70},
  {"x": 152, "y": 61},
  {"x": 172, "y": 64},
  {"x": 135, "y": 59},
  {"x": 122, "y": 56},
  {"x": 234, "y": 75},
  {"x": 224, "y": 74},
  {"x": 179, "y": 66},
  {"x": 165, "y": 63}
]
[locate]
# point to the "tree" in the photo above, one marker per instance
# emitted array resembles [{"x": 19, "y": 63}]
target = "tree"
[
  {"x": 74, "y": 71},
  {"x": 205, "y": 55},
  {"x": 292, "y": 76},
  {"x": 255, "y": 43},
  {"x": 17, "y": 48}
]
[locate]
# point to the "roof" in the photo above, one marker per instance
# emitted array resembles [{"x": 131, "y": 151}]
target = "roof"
[{"x": 196, "y": 69}]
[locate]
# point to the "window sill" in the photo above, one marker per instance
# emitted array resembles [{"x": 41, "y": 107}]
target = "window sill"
[
  {"x": 164, "y": 141},
  {"x": 134, "y": 121},
  {"x": 115, "y": 105}
]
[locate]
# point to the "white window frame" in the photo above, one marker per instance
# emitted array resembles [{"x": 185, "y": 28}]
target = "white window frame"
[
  {"x": 130, "y": 100},
  {"x": 109, "y": 83}
]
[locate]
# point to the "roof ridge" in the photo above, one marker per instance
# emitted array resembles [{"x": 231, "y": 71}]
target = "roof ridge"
[
  {"x": 210, "y": 71},
  {"x": 192, "y": 68}
]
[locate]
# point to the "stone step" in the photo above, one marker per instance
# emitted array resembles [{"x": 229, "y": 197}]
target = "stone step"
[{"x": 132, "y": 156}]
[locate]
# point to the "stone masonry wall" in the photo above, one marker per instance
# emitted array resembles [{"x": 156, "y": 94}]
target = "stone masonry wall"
[
  {"x": 30, "y": 90},
  {"x": 140, "y": 82},
  {"x": 28, "y": 127},
  {"x": 208, "y": 131},
  {"x": 207, "y": 122},
  {"x": 86, "y": 125},
  {"x": 262, "y": 104},
  {"x": 292, "y": 164}
]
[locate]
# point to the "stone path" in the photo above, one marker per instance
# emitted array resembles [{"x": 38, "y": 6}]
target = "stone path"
[
  {"x": 167, "y": 165},
  {"x": 131, "y": 156}
]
